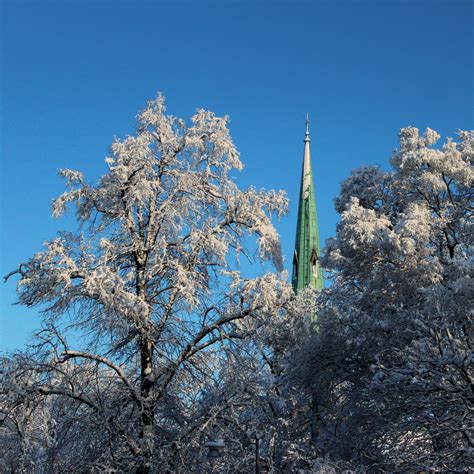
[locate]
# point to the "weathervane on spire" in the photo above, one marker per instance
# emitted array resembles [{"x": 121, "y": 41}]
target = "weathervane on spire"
[{"x": 306, "y": 137}]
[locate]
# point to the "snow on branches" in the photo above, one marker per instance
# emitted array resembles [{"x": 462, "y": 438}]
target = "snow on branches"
[
  {"x": 391, "y": 365},
  {"x": 147, "y": 281}
]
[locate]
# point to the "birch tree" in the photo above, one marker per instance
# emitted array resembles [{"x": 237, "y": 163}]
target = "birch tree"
[{"x": 140, "y": 301}]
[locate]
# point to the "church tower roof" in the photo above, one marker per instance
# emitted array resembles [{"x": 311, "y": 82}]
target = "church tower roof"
[{"x": 306, "y": 265}]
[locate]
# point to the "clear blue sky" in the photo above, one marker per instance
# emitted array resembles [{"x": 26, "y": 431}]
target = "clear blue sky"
[{"x": 74, "y": 74}]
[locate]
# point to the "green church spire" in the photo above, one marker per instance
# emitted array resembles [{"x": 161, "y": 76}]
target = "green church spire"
[{"x": 306, "y": 267}]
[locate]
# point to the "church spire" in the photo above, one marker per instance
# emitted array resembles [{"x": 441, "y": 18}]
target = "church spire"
[{"x": 306, "y": 267}]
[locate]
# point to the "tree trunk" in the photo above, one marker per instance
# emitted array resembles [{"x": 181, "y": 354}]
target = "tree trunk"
[
  {"x": 147, "y": 435},
  {"x": 146, "y": 416}
]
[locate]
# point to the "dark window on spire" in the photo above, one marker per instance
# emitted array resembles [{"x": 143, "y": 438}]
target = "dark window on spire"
[
  {"x": 314, "y": 263},
  {"x": 295, "y": 265}
]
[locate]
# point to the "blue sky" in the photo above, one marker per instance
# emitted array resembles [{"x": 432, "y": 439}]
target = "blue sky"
[{"x": 74, "y": 74}]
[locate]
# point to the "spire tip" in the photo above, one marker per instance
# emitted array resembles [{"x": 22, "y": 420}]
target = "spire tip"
[{"x": 306, "y": 138}]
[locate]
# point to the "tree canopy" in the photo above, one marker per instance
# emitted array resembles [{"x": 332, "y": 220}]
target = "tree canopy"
[
  {"x": 390, "y": 365},
  {"x": 151, "y": 288}
]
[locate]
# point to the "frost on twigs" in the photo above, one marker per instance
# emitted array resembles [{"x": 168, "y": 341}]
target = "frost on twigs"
[
  {"x": 390, "y": 367},
  {"x": 146, "y": 287}
]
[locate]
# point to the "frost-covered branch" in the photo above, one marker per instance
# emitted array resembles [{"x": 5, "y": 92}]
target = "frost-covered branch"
[{"x": 103, "y": 360}]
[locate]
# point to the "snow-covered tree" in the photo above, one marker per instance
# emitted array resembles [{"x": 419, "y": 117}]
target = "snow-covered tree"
[
  {"x": 263, "y": 404},
  {"x": 141, "y": 304},
  {"x": 390, "y": 368}
]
